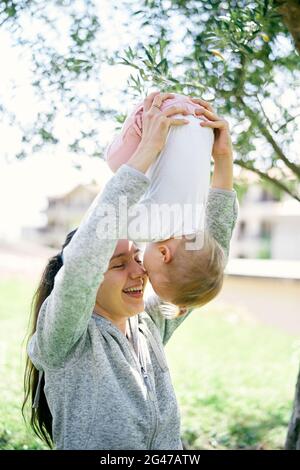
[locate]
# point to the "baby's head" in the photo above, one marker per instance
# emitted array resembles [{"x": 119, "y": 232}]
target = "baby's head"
[{"x": 186, "y": 278}]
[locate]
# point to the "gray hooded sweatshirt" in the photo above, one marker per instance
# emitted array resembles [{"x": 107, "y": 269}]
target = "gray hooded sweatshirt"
[{"x": 104, "y": 390}]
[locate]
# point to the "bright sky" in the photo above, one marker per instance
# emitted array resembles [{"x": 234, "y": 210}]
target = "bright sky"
[{"x": 24, "y": 186}]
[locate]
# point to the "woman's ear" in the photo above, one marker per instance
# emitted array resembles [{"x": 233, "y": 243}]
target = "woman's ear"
[{"x": 166, "y": 253}]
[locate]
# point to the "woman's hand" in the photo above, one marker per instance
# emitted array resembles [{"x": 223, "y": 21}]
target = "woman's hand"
[
  {"x": 156, "y": 125},
  {"x": 222, "y": 147}
]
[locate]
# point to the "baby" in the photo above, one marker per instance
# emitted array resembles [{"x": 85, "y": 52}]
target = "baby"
[{"x": 179, "y": 273}]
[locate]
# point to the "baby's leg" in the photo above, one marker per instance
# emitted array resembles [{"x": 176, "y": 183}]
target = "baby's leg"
[{"x": 125, "y": 144}]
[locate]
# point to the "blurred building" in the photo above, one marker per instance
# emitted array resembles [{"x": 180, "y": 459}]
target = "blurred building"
[
  {"x": 267, "y": 228},
  {"x": 64, "y": 213}
]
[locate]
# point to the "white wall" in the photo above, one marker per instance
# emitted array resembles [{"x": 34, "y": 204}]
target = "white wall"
[{"x": 285, "y": 242}]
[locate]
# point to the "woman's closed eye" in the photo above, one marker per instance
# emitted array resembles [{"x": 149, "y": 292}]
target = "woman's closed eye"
[{"x": 138, "y": 260}]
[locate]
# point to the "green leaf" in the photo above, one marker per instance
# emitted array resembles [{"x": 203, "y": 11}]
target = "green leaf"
[{"x": 149, "y": 56}]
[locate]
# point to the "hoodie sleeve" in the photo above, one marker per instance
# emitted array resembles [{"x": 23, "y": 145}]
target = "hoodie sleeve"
[
  {"x": 64, "y": 315},
  {"x": 221, "y": 215}
]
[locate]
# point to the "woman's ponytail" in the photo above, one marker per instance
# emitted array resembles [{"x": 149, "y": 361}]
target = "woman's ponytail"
[{"x": 40, "y": 416}]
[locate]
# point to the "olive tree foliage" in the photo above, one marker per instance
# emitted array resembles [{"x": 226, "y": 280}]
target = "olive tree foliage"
[
  {"x": 59, "y": 39},
  {"x": 240, "y": 55}
]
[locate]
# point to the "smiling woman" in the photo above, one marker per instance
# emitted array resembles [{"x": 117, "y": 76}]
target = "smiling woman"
[
  {"x": 82, "y": 366},
  {"x": 96, "y": 373}
]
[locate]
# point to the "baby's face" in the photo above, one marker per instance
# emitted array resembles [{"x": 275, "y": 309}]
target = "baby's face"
[
  {"x": 154, "y": 264},
  {"x": 157, "y": 257}
]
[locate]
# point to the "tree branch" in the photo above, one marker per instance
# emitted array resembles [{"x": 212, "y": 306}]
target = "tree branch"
[
  {"x": 265, "y": 176},
  {"x": 252, "y": 115},
  {"x": 286, "y": 123},
  {"x": 265, "y": 116}
]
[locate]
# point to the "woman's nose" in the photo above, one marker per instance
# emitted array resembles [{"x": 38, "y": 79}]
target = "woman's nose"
[{"x": 140, "y": 271}]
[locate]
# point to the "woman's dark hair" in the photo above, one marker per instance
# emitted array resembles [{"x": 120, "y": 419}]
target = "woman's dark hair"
[{"x": 40, "y": 416}]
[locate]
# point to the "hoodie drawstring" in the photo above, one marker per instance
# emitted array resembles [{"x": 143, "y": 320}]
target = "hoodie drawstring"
[{"x": 38, "y": 391}]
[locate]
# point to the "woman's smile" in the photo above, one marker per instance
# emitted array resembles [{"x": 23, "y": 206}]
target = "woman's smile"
[
  {"x": 135, "y": 295},
  {"x": 135, "y": 292}
]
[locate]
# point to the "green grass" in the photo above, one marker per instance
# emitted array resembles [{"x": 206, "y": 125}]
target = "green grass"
[
  {"x": 15, "y": 298},
  {"x": 234, "y": 381}
]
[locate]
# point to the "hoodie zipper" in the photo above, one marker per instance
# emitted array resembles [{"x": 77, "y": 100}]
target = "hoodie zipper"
[
  {"x": 150, "y": 394},
  {"x": 146, "y": 380},
  {"x": 147, "y": 383},
  {"x": 152, "y": 398}
]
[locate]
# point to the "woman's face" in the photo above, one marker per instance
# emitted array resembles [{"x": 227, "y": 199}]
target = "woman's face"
[{"x": 125, "y": 272}]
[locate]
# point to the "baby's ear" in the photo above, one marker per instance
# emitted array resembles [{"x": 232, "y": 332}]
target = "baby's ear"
[{"x": 166, "y": 253}]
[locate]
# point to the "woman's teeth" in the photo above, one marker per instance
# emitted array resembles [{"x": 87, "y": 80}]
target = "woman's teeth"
[
  {"x": 134, "y": 292},
  {"x": 133, "y": 289}
]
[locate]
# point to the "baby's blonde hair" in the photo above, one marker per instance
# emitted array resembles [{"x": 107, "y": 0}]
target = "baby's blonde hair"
[{"x": 195, "y": 276}]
